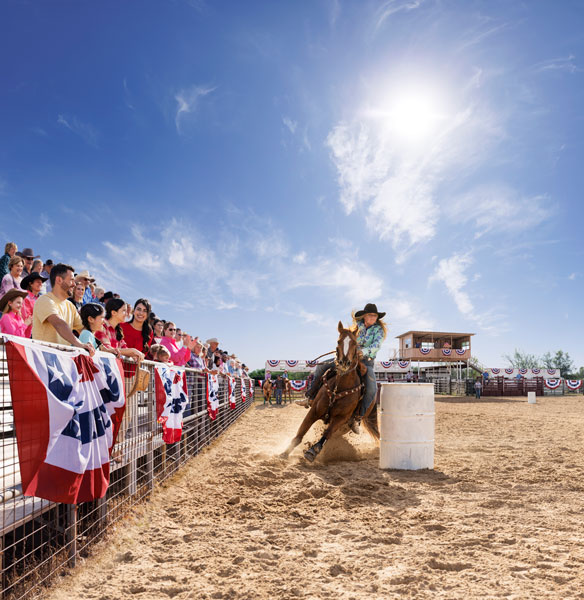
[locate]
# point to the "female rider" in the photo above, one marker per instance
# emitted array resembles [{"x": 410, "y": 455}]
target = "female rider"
[{"x": 370, "y": 331}]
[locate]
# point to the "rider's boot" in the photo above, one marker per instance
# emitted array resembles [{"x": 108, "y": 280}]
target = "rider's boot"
[{"x": 355, "y": 425}]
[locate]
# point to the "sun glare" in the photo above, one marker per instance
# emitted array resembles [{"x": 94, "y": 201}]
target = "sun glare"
[{"x": 411, "y": 115}]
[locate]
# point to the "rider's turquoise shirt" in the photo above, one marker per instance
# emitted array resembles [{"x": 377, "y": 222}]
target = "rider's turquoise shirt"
[{"x": 369, "y": 339}]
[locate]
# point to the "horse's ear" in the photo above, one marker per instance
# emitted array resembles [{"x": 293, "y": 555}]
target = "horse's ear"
[{"x": 341, "y": 327}]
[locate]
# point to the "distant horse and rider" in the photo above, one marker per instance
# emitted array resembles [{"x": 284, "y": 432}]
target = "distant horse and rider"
[{"x": 344, "y": 389}]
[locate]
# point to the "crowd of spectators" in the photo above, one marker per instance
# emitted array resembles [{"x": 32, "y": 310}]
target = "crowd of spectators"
[{"x": 52, "y": 303}]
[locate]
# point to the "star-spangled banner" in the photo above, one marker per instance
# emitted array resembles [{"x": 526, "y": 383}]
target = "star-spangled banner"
[
  {"x": 171, "y": 401},
  {"x": 67, "y": 411},
  {"x": 553, "y": 384},
  {"x": 243, "y": 393},
  {"x": 573, "y": 384},
  {"x": 232, "y": 383},
  {"x": 298, "y": 384}
]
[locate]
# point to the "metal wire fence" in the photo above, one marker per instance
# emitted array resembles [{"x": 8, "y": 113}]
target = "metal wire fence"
[{"x": 39, "y": 538}]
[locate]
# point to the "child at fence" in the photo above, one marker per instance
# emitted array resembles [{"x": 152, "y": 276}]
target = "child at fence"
[
  {"x": 160, "y": 353},
  {"x": 11, "y": 321},
  {"x": 92, "y": 316}
]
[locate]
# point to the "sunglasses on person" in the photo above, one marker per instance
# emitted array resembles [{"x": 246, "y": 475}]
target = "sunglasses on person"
[{"x": 171, "y": 329}]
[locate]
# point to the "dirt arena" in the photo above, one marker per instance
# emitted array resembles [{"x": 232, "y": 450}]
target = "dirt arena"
[{"x": 501, "y": 516}]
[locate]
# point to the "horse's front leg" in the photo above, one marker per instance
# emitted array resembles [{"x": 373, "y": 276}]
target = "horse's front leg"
[
  {"x": 309, "y": 420},
  {"x": 315, "y": 449}
]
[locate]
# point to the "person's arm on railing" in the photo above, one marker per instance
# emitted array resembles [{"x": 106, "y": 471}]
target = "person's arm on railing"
[{"x": 67, "y": 334}]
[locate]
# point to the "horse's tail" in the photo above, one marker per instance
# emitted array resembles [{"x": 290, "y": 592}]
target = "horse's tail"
[{"x": 370, "y": 423}]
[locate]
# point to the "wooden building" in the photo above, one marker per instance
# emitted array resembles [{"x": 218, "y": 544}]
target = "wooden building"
[{"x": 434, "y": 346}]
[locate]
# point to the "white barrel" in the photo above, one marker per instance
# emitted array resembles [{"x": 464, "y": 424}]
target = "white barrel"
[
  {"x": 531, "y": 397},
  {"x": 407, "y": 426}
]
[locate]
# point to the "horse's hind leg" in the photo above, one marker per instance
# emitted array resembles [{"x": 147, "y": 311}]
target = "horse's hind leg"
[{"x": 306, "y": 424}]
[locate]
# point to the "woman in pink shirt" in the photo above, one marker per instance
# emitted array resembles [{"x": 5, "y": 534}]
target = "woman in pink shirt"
[
  {"x": 32, "y": 284},
  {"x": 179, "y": 356},
  {"x": 11, "y": 322},
  {"x": 11, "y": 281}
]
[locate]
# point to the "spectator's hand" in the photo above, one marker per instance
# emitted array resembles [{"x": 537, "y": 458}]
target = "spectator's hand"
[
  {"x": 28, "y": 320},
  {"x": 190, "y": 343},
  {"x": 89, "y": 348},
  {"x": 134, "y": 353}
]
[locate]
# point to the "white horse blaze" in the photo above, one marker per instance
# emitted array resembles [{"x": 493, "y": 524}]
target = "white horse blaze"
[{"x": 346, "y": 343}]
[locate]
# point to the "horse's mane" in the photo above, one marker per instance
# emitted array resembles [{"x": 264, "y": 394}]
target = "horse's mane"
[{"x": 355, "y": 325}]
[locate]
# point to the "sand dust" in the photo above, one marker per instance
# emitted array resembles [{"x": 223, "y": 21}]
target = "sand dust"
[{"x": 501, "y": 516}]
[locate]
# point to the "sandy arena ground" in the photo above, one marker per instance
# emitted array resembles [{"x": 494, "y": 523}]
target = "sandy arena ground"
[{"x": 501, "y": 516}]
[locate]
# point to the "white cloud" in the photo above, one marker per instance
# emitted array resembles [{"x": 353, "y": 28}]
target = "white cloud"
[
  {"x": 86, "y": 131},
  {"x": 45, "y": 227},
  {"x": 499, "y": 208},
  {"x": 290, "y": 124},
  {"x": 452, "y": 273},
  {"x": 187, "y": 101},
  {"x": 299, "y": 258},
  {"x": 565, "y": 63},
  {"x": 572, "y": 276},
  {"x": 391, "y": 7}
]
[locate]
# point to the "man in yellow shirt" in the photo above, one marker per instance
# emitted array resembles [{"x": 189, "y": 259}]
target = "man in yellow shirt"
[{"x": 54, "y": 318}]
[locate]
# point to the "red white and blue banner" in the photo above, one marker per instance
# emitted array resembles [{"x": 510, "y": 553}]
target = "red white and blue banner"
[
  {"x": 291, "y": 365},
  {"x": 386, "y": 364},
  {"x": 298, "y": 384},
  {"x": 522, "y": 371},
  {"x": 553, "y": 384},
  {"x": 446, "y": 351},
  {"x": 231, "y": 382},
  {"x": 460, "y": 352},
  {"x": 425, "y": 350},
  {"x": 171, "y": 401},
  {"x": 403, "y": 364},
  {"x": 243, "y": 393},
  {"x": 251, "y": 386},
  {"x": 536, "y": 371},
  {"x": 527, "y": 373},
  {"x": 212, "y": 395},
  {"x": 273, "y": 363},
  {"x": 67, "y": 411},
  {"x": 573, "y": 384},
  {"x": 510, "y": 371}
]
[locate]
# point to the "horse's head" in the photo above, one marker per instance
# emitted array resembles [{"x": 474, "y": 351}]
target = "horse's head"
[{"x": 347, "y": 350}]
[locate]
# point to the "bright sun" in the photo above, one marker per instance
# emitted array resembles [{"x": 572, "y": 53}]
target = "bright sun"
[{"x": 412, "y": 115}]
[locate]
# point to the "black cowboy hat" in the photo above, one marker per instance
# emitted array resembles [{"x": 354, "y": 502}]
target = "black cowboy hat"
[
  {"x": 369, "y": 308},
  {"x": 29, "y": 279}
]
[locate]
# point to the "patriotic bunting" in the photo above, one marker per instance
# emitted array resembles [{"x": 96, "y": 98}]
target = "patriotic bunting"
[
  {"x": 446, "y": 351},
  {"x": 212, "y": 395},
  {"x": 171, "y": 401},
  {"x": 404, "y": 364},
  {"x": 231, "y": 389},
  {"x": 243, "y": 395},
  {"x": 509, "y": 371},
  {"x": 523, "y": 371},
  {"x": 553, "y": 384},
  {"x": 425, "y": 350},
  {"x": 460, "y": 352},
  {"x": 495, "y": 371},
  {"x": 551, "y": 371},
  {"x": 274, "y": 363},
  {"x": 292, "y": 363},
  {"x": 298, "y": 385},
  {"x": 536, "y": 371},
  {"x": 386, "y": 364},
  {"x": 573, "y": 384},
  {"x": 311, "y": 363},
  {"x": 67, "y": 411}
]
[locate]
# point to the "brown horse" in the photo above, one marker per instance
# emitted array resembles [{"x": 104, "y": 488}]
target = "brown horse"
[
  {"x": 338, "y": 397},
  {"x": 288, "y": 390},
  {"x": 267, "y": 390}
]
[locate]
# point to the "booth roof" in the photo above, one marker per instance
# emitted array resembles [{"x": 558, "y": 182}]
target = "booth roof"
[{"x": 436, "y": 334}]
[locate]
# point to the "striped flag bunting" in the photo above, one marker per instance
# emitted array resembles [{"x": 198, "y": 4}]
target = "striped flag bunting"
[
  {"x": 171, "y": 401},
  {"x": 536, "y": 371},
  {"x": 386, "y": 364},
  {"x": 509, "y": 371},
  {"x": 551, "y": 371},
  {"x": 231, "y": 382},
  {"x": 523, "y": 371},
  {"x": 460, "y": 352},
  {"x": 553, "y": 384},
  {"x": 291, "y": 363},
  {"x": 446, "y": 351},
  {"x": 403, "y": 364},
  {"x": 212, "y": 395},
  {"x": 243, "y": 392},
  {"x": 425, "y": 350},
  {"x": 274, "y": 363},
  {"x": 67, "y": 411},
  {"x": 574, "y": 384},
  {"x": 298, "y": 384},
  {"x": 495, "y": 371}
]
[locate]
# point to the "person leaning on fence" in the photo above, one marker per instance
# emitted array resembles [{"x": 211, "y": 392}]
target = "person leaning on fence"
[
  {"x": 54, "y": 318},
  {"x": 11, "y": 281},
  {"x": 112, "y": 334},
  {"x": 137, "y": 331},
  {"x": 179, "y": 356},
  {"x": 9, "y": 251},
  {"x": 12, "y": 322}
]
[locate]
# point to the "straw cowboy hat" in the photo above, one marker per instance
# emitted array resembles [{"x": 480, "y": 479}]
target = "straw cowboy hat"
[
  {"x": 369, "y": 308},
  {"x": 84, "y": 275},
  {"x": 9, "y": 296},
  {"x": 141, "y": 380},
  {"x": 212, "y": 340}
]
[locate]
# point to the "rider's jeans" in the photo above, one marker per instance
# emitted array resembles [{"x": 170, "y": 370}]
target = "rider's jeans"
[{"x": 370, "y": 388}]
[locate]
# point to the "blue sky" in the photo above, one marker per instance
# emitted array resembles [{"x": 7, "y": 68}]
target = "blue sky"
[{"x": 260, "y": 169}]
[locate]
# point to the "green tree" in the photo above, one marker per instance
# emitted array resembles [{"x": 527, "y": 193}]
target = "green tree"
[
  {"x": 560, "y": 360},
  {"x": 522, "y": 360},
  {"x": 258, "y": 374}
]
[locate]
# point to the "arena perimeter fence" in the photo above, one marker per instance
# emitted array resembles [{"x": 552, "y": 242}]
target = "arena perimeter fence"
[{"x": 40, "y": 539}]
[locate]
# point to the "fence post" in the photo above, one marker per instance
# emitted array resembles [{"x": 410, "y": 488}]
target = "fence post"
[{"x": 71, "y": 533}]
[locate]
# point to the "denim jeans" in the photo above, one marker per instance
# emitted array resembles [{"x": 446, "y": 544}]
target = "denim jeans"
[
  {"x": 278, "y": 396},
  {"x": 370, "y": 387}
]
